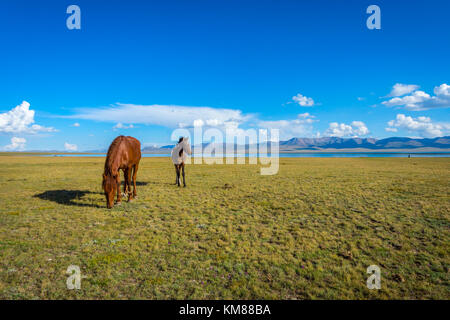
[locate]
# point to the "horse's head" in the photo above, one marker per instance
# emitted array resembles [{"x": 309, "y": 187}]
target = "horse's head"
[
  {"x": 186, "y": 145},
  {"x": 110, "y": 187}
]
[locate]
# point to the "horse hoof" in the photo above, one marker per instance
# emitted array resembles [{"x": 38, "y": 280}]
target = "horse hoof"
[{"x": 118, "y": 203}]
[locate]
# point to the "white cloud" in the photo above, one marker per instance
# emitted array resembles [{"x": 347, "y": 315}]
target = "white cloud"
[
  {"x": 20, "y": 120},
  {"x": 151, "y": 144},
  {"x": 122, "y": 126},
  {"x": 391, "y": 129},
  {"x": 361, "y": 98},
  {"x": 16, "y": 144},
  {"x": 410, "y": 102},
  {"x": 442, "y": 90},
  {"x": 420, "y": 125},
  {"x": 76, "y": 124},
  {"x": 232, "y": 128},
  {"x": 360, "y": 128},
  {"x": 303, "y": 100},
  {"x": 420, "y": 100},
  {"x": 213, "y": 122},
  {"x": 300, "y": 127},
  {"x": 355, "y": 129},
  {"x": 198, "y": 123},
  {"x": 188, "y": 117},
  {"x": 163, "y": 115},
  {"x": 400, "y": 89},
  {"x": 338, "y": 130},
  {"x": 305, "y": 115},
  {"x": 70, "y": 147}
]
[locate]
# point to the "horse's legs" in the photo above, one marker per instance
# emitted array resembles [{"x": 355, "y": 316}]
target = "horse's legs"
[
  {"x": 184, "y": 178},
  {"x": 125, "y": 178},
  {"x": 135, "y": 169},
  {"x": 177, "y": 168},
  {"x": 128, "y": 173},
  {"x": 176, "y": 179},
  {"x": 176, "y": 175},
  {"x": 119, "y": 195}
]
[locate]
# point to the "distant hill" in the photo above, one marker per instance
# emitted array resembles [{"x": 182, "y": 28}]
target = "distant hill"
[
  {"x": 96, "y": 151},
  {"x": 345, "y": 144},
  {"x": 363, "y": 143},
  {"x": 325, "y": 144}
]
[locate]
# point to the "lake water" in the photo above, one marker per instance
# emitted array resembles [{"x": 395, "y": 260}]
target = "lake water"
[{"x": 289, "y": 155}]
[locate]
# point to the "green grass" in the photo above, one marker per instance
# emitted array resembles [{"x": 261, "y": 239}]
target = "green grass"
[{"x": 308, "y": 232}]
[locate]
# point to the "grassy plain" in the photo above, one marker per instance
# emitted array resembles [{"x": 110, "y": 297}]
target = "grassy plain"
[{"x": 308, "y": 232}]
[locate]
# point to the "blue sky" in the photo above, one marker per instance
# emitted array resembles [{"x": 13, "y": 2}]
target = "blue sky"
[{"x": 153, "y": 66}]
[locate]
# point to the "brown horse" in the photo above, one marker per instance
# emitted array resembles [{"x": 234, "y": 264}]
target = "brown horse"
[{"x": 123, "y": 153}]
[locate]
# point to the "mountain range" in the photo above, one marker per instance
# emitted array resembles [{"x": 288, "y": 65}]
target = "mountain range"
[
  {"x": 325, "y": 144},
  {"x": 346, "y": 144}
]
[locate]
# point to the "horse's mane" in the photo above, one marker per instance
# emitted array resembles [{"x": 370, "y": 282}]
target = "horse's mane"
[
  {"x": 111, "y": 155},
  {"x": 178, "y": 151}
]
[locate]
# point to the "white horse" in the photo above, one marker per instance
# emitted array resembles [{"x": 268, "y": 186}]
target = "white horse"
[{"x": 179, "y": 155}]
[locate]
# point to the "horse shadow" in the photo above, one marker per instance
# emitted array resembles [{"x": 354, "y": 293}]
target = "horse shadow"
[
  {"x": 138, "y": 183},
  {"x": 67, "y": 197},
  {"x": 161, "y": 183}
]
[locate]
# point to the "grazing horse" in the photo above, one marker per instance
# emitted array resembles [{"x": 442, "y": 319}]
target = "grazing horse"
[
  {"x": 179, "y": 156},
  {"x": 124, "y": 154}
]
